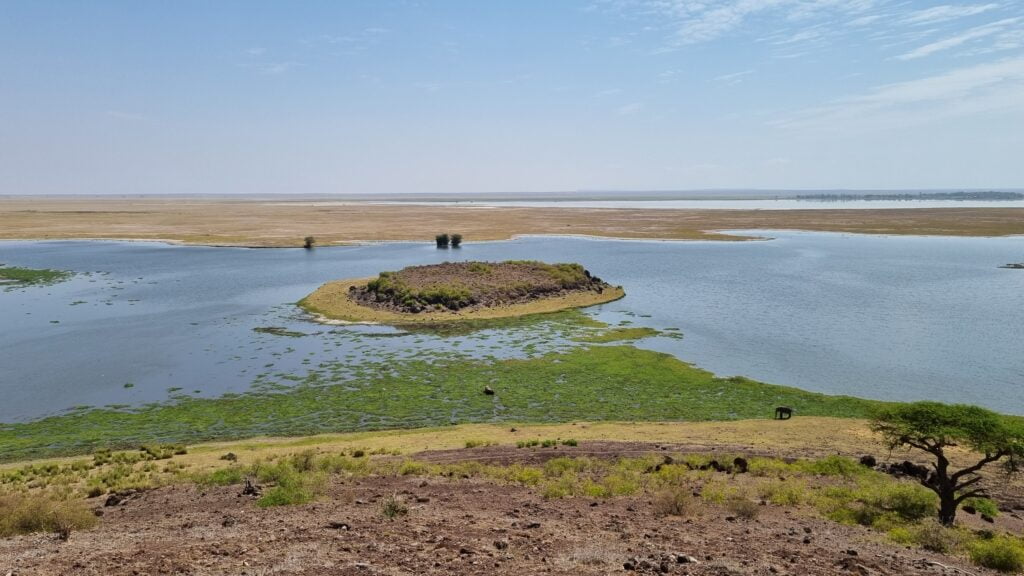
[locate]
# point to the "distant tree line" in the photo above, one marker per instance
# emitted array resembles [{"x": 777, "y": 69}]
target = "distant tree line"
[{"x": 989, "y": 195}]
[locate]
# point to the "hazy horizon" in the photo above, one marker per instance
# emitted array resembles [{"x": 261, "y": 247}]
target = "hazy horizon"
[{"x": 365, "y": 98}]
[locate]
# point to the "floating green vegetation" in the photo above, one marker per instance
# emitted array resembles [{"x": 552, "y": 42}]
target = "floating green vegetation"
[
  {"x": 279, "y": 331},
  {"x": 12, "y": 277},
  {"x": 620, "y": 334},
  {"x": 586, "y": 383}
]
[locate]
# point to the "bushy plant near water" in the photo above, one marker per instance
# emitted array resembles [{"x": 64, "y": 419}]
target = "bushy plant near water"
[{"x": 289, "y": 485}]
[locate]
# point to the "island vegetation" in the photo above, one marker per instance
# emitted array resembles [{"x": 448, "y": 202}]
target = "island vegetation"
[
  {"x": 15, "y": 277},
  {"x": 456, "y": 291}
]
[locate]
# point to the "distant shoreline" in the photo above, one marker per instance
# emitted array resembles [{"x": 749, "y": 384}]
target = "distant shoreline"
[{"x": 262, "y": 224}]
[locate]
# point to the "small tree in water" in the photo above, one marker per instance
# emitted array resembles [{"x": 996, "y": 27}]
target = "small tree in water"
[
  {"x": 442, "y": 240},
  {"x": 308, "y": 242},
  {"x": 456, "y": 240},
  {"x": 932, "y": 427}
]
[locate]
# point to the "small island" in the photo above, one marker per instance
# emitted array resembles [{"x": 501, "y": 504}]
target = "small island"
[
  {"x": 456, "y": 291},
  {"x": 1014, "y": 266}
]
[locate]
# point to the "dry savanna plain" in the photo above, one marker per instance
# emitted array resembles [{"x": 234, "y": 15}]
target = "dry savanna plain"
[
  {"x": 817, "y": 494},
  {"x": 266, "y": 223}
]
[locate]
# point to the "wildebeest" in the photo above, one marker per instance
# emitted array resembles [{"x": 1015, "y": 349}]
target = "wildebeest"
[{"x": 783, "y": 413}]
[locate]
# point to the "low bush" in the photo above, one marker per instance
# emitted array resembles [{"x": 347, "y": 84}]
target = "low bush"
[
  {"x": 290, "y": 486},
  {"x": 412, "y": 468},
  {"x": 743, "y": 508},
  {"x": 673, "y": 502},
  {"x": 473, "y": 443},
  {"x": 222, "y": 477},
  {"x": 1002, "y": 553},
  {"x": 933, "y": 536},
  {"x": 28, "y": 513},
  {"x": 982, "y": 506},
  {"x": 393, "y": 507}
]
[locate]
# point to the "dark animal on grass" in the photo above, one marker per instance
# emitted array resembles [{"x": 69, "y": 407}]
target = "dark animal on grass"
[
  {"x": 308, "y": 242},
  {"x": 740, "y": 465},
  {"x": 783, "y": 413},
  {"x": 488, "y": 390}
]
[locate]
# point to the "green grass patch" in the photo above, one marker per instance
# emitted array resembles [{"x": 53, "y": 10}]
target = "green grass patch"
[
  {"x": 618, "y": 335},
  {"x": 589, "y": 383},
  {"x": 17, "y": 277},
  {"x": 278, "y": 331}
]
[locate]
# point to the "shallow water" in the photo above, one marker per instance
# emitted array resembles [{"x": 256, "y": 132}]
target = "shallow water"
[{"x": 898, "y": 318}]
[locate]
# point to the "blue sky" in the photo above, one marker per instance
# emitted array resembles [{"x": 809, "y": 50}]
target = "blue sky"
[{"x": 367, "y": 97}]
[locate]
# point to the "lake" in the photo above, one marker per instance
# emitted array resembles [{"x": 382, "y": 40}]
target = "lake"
[{"x": 900, "y": 318}]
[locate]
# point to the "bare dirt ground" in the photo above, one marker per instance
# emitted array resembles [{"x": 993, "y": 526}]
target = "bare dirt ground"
[
  {"x": 263, "y": 223},
  {"x": 458, "y": 526}
]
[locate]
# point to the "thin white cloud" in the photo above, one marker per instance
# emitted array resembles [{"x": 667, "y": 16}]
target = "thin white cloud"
[
  {"x": 990, "y": 88},
  {"x": 947, "y": 12},
  {"x": 630, "y": 109},
  {"x": 733, "y": 78},
  {"x": 960, "y": 39},
  {"x": 276, "y": 68}
]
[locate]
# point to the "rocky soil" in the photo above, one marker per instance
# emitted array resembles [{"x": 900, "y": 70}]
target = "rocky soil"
[{"x": 454, "y": 526}]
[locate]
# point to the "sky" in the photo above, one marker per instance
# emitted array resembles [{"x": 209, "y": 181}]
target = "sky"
[{"x": 148, "y": 97}]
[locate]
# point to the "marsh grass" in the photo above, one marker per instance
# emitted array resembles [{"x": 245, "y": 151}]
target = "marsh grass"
[
  {"x": 588, "y": 383},
  {"x": 13, "y": 277}
]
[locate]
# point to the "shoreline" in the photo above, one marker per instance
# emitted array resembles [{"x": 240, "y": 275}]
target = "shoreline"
[
  {"x": 330, "y": 303},
  {"x": 594, "y": 237},
  {"x": 255, "y": 224}
]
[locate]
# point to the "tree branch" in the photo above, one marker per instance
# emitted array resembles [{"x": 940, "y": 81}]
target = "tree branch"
[
  {"x": 989, "y": 458},
  {"x": 970, "y": 482},
  {"x": 970, "y": 494}
]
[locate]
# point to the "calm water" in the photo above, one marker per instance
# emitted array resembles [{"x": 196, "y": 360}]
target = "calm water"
[{"x": 881, "y": 317}]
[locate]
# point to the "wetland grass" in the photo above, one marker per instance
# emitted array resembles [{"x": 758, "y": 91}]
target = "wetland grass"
[{"x": 597, "y": 383}]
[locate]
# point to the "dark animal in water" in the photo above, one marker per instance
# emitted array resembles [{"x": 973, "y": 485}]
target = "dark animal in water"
[
  {"x": 488, "y": 390},
  {"x": 783, "y": 413}
]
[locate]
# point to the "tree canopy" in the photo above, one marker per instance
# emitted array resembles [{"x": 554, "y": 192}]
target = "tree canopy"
[{"x": 932, "y": 427}]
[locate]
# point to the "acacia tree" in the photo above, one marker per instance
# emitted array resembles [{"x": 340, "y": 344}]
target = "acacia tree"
[{"x": 933, "y": 427}]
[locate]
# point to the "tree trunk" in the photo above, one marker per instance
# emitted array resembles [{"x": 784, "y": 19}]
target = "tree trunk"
[{"x": 947, "y": 508}]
